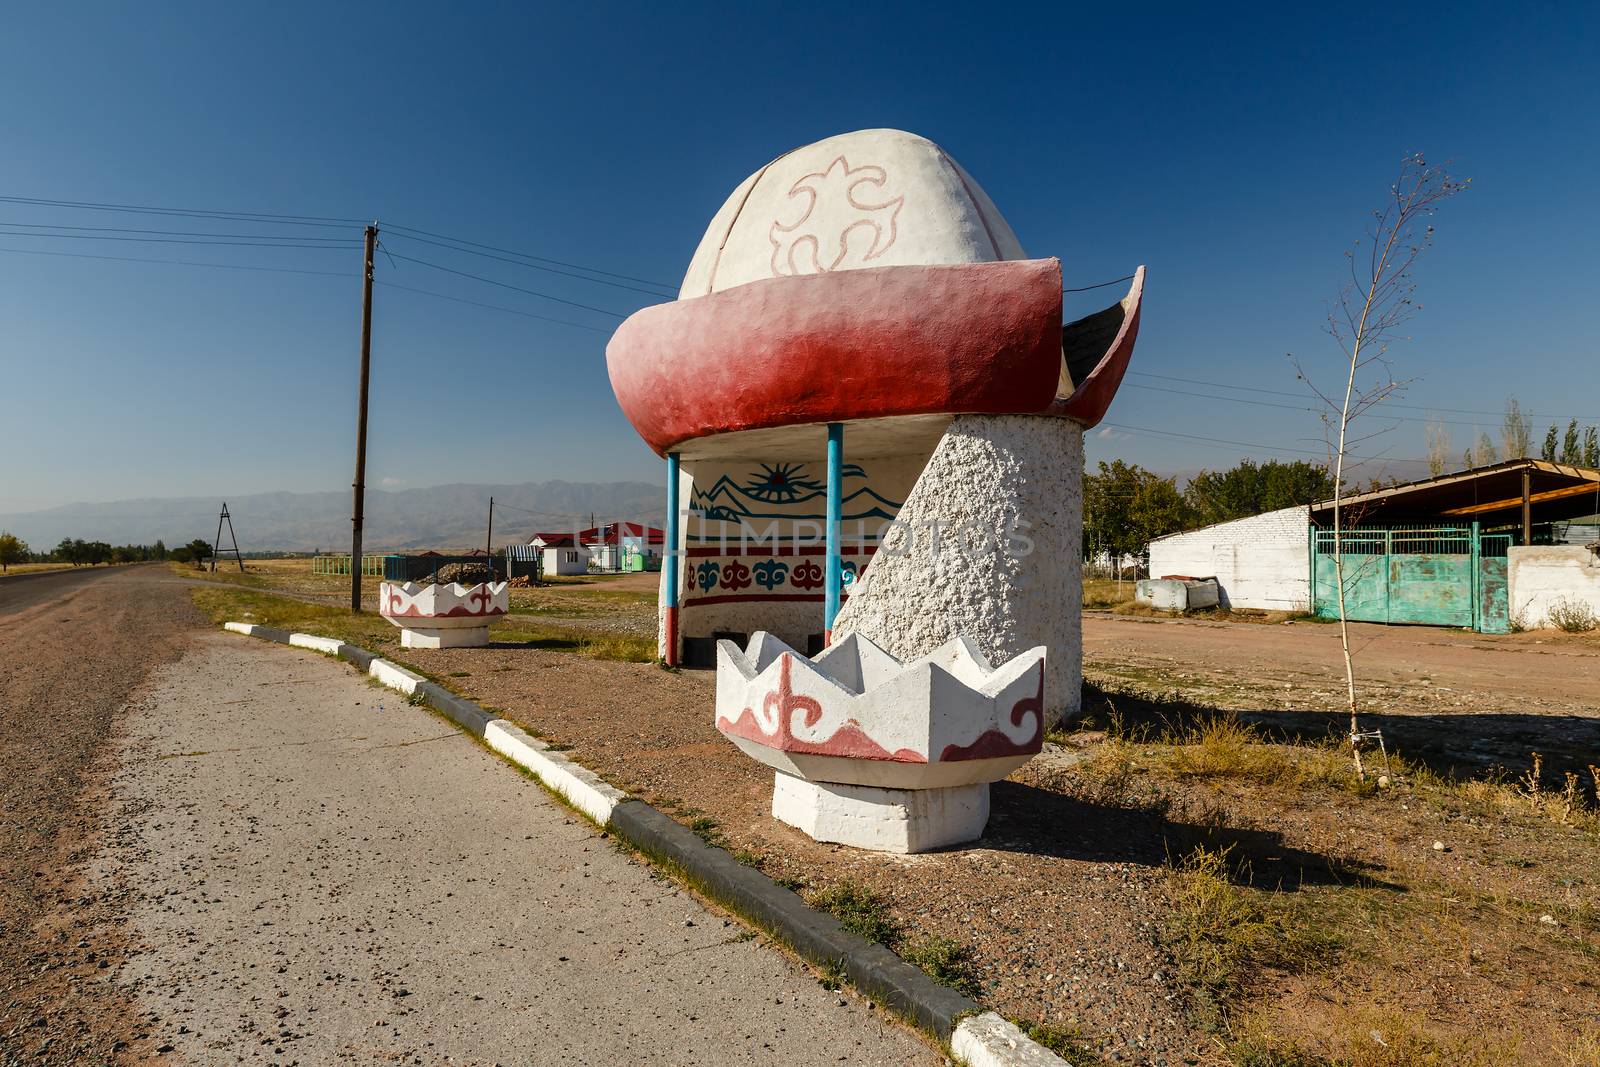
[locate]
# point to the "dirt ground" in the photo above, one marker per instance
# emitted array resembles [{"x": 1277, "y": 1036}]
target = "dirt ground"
[
  {"x": 74, "y": 647},
  {"x": 1453, "y": 697},
  {"x": 1065, "y": 901}
]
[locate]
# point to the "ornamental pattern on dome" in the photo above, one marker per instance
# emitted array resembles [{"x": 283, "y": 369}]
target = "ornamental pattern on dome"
[{"x": 800, "y": 247}]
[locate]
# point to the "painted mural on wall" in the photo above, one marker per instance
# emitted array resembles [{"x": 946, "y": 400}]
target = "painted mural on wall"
[{"x": 756, "y": 529}]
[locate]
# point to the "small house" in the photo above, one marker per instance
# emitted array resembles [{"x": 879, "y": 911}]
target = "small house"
[{"x": 561, "y": 554}]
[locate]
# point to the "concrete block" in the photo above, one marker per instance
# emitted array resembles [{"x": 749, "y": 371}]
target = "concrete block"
[
  {"x": 1164, "y": 594},
  {"x": 464, "y": 713},
  {"x": 395, "y": 676},
  {"x": 884, "y": 820},
  {"x": 319, "y": 644},
  {"x": 581, "y": 787},
  {"x": 359, "y": 657},
  {"x": 988, "y": 1040},
  {"x": 246, "y": 628},
  {"x": 436, "y": 635}
]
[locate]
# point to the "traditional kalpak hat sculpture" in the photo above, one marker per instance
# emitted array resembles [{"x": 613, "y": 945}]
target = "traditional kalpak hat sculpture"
[{"x": 862, "y": 349}]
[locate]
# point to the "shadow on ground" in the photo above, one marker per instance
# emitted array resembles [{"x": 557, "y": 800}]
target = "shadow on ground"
[
  {"x": 1475, "y": 745},
  {"x": 1032, "y": 820}
]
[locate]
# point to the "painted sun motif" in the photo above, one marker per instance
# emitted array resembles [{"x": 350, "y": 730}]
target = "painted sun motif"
[{"x": 781, "y": 483}]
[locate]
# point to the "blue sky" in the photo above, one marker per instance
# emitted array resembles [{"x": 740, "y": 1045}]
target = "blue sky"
[{"x": 1235, "y": 154}]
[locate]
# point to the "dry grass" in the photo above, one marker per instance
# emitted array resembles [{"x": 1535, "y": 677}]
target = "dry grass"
[
  {"x": 1106, "y": 593},
  {"x": 1378, "y": 1038},
  {"x": 1222, "y": 934},
  {"x": 371, "y": 631},
  {"x": 37, "y": 568}
]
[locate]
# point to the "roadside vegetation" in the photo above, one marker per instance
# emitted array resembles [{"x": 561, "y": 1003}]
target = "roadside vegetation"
[
  {"x": 1419, "y": 916},
  {"x": 1108, "y": 594},
  {"x": 230, "y": 601},
  {"x": 15, "y": 555}
]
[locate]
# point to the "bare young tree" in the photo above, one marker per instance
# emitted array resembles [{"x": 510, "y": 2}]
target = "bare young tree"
[
  {"x": 1516, "y": 432},
  {"x": 1372, "y": 307},
  {"x": 1438, "y": 446}
]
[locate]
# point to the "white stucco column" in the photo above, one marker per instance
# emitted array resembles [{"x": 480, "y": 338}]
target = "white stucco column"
[{"x": 988, "y": 546}]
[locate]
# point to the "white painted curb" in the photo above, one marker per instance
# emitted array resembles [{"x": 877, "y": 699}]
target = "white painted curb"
[
  {"x": 395, "y": 676},
  {"x": 581, "y": 787},
  {"x": 317, "y": 644},
  {"x": 988, "y": 1040}
]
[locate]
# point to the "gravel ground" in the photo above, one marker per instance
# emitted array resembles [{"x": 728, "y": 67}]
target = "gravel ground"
[
  {"x": 324, "y": 873},
  {"x": 60, "y": 711},
  {"x": 1060, "y": 900},
  {"x": 1063, "y": 900}
]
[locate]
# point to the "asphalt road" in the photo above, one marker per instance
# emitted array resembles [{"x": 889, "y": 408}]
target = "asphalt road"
[{"x": 284, "y": 864}]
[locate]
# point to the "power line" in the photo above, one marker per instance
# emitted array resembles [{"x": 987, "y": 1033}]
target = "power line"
[
  {"x": 1101, "y": 285},
  {"x": 1408, "y": 407},
  {"x": 527, "y": 255},
  {"x": 507, "y": 285},
  {"x": 534, "y": 266},
  {"x": 1251, "y": 444},
  {"x": 176, "y": 262},
  {"x": 193, "y": 213},
  {"x": 171, "y": 233},
  {"x": 493, "y": 307},
  {"x": 1375, "y": 413},
  {"x": 172, "y": 241}
]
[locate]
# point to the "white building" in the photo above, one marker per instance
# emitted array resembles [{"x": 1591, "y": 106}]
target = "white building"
[
  {"x": 1263, "y": 561},
  {"x": 559, "y": 559}
]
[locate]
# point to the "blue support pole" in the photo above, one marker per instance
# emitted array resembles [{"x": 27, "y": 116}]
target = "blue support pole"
[
  {"x": 669, "y": 565},
  {"x": 835, "y": 568}
]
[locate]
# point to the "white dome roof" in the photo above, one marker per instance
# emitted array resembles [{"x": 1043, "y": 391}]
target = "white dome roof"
[{"x": 874, "y": 198}]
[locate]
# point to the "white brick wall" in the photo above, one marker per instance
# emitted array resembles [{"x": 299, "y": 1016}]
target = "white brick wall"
[
  {"x": 1540, "y": 575},
  {"x": 1259, "y": 562}
]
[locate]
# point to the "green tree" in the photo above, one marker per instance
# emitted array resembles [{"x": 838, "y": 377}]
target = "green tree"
[
  {"x": 199, "y": 551},
  {"x": 1548, "y": 453},
  {"x": 1571, "y": 450},
  {"x": 13, "y": 549},
  {"x": 1591, "y": 447},
  {"x": 1251, "y": 488},
  {"x": 1126, "y": 506}
]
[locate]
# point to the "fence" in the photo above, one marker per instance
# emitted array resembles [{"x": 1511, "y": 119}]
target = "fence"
[
  {"x": 1441, "y": 575},
  {"x": 370, "y": 565}
]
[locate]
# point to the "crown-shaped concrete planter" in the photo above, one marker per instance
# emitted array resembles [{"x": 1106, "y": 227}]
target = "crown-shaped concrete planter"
[
  {"x": 443, "y": 616},
  {"x": 874, "y": 752}
]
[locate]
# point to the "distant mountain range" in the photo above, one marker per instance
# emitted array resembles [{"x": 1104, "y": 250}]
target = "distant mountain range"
[{"x": 442, "y": 517}]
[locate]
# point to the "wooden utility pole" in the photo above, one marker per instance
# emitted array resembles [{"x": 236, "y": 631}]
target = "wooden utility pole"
[
  {"x": 488, "y": 542},
  {"x": 360, "y": 484}
]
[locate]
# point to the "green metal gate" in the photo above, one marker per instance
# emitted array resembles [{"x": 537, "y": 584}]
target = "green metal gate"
[{"x": 1437, "y": 575}]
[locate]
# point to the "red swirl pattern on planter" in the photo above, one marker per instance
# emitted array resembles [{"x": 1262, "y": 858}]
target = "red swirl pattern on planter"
[
  {"x": 992, "y": 743},
  {"x": 780, "y": 705}
]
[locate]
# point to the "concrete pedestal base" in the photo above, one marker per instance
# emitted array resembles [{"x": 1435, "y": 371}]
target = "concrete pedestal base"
[
  {"x": 883, "y": 820},
  {"x": 444, "y": 637}
]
